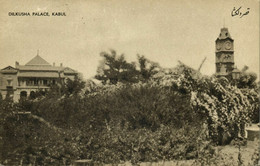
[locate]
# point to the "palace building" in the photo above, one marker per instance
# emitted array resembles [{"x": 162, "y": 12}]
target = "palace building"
[
  {"x": 36, "y": 75},
  {"x": 225, "y": 56}
]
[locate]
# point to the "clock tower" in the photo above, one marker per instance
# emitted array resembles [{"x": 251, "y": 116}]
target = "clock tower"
[{"x": 224, "y": 54}]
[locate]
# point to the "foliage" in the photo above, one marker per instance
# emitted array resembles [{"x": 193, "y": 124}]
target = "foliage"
[
  {"x": 253, "y": 98},
  {"x": 33, "y": 142},
  {"x": 73, "y": 87},
  {"x": 246, "y": 79},
  {"x": 142, "y": 114},
  {"x": 147, "y": 68},
  {"x": 115, "y": 69},
  {"x": 226, "y": 108},
  {"x": 140, "y": 145},
  {"x": 142, "y": 105},
  {"x": 7, "y": 116}
]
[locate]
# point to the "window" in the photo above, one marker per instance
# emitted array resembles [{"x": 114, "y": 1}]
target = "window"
[
  {"x": 45, "y": 82},
  {"x": 9, "y": 82},
  {"x": 32, "y": 95},
  {"x": 218, "y": 68},
  {"x": 10, "y": 91},
  {"x": 23, "y": 94}
]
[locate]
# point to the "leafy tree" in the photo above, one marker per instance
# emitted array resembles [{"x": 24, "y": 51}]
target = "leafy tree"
[
  {"x": 246, "y": 79},
  {"x": 73, "y": 86},
  {"x": 147, "y": 68},
  {"x": 116, "y": 69}
]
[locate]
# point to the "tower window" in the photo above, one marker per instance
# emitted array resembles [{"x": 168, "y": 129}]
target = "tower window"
[
  {"x": 226, "y": 34},
  {"x": 220, "y": 35}
]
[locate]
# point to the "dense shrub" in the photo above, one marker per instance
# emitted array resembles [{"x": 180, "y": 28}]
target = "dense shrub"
[
  {"x": 140, "y": 105},
  {"x": 176, "y": 114},
  {"x": 140, "y": 145},
  {"x": 226, "y": 108}
]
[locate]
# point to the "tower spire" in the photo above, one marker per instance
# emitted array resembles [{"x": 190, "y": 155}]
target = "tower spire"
[{"x": 37, "y": 52}]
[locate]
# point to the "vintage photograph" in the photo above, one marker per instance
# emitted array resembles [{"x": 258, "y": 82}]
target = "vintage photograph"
[{"x": 129, "y": 83}]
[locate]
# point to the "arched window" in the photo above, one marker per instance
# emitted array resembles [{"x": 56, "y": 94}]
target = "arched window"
[
  {"x": 32, "y": 95},
  {"x": 23, "y": 94}
]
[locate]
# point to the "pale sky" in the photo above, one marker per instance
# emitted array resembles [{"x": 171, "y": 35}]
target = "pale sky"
[{"x": 164, "y": 31}]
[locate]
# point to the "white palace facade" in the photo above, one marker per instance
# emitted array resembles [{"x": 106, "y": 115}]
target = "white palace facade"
[{"x": 36, "y": 75}]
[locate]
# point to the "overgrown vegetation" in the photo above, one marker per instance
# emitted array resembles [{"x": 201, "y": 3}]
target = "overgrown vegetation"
[{"x": 137, "y": 114}]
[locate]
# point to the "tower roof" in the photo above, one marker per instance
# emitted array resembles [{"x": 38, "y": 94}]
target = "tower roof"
[
  {"x": 224, "y": 34},
  {"x": 37, "y": 61}
]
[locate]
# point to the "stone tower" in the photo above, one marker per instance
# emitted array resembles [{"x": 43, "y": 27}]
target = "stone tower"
[{"x": 224, "y": 54}]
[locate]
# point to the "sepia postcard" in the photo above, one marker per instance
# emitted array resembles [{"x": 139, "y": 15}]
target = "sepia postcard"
[{"x": 128, "y": 82}]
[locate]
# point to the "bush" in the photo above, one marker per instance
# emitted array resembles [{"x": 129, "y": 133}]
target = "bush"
[
  {"x": 176, "y": 114},
  {"x": 140, "y": 145}
]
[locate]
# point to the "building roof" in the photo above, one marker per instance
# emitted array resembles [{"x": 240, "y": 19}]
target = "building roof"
[
  {"x": 40, "y": 68},
  {"x": 39, "y": 64},
  {"x": 9, "y": 69},
  {"x": 37, "y": 61},
  {"x": 224, "y": 34},
  {"x": 40, "y": 74},
  {"x": 66, "y": 70}
]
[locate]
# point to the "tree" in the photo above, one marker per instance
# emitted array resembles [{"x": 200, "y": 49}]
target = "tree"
[
  {"x": 246, "y": 79},
  {"x": 74, "y": 86},
  {"x": 114, "y": 69},
  {"x": 147, "y": 68}
]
